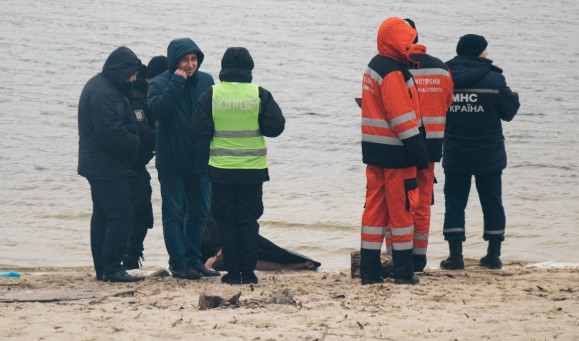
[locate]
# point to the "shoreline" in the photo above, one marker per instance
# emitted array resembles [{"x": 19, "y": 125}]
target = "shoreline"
[{"x": 517, "y": 302}]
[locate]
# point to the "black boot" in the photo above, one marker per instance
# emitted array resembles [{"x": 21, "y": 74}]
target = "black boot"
[
  {"x": 403, "y": 267},
  {"x": 248, "y": 277},
  {"x": 419, "y": 262},
  {"x": 370, "y": 268},
  {"x": 232, "y": 278},
  {"x": 492, "y": 259},
  {"x": 454, "y": 261}
]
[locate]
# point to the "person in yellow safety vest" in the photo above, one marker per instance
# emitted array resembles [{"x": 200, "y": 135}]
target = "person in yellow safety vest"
[{"x": 237, "y": 115}]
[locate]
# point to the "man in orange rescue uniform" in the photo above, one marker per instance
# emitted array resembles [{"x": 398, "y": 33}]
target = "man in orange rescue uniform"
[
  {"x": 392, "y": 148},
  {"x": 434, "y": 83}
]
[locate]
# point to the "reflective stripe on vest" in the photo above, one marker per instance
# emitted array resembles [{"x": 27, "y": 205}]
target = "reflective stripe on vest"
[{"x": 237, "y": 142}]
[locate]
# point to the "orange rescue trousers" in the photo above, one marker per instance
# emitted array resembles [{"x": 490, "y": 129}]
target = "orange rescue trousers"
[
  {"x": 391, "y": 199},
  {"x": 425, "y": 179}
]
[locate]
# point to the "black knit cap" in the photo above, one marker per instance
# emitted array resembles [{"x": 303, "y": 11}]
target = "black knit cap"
[
  {"x": 156, "y": 66},
  {"x": 236, "y": 65},
  {"x": 411, "y": 23},
  {"x": 471, "y": 45}
]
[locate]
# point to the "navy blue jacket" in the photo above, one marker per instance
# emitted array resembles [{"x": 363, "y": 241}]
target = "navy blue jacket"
[
  {"x": 473, "y": 140},
  {"x": 171, "y": 100},
  {"x": 108, "y": 136}
]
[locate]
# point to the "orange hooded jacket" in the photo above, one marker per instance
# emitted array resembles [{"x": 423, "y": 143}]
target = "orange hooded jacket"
[
  {"x": 390, "y": 110},
  {"x": 434, "y": 83}
]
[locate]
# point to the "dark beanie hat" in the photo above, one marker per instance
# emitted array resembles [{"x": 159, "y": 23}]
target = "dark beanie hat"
[
  {"x": 236, "y": 65},
  {"x": 411, "y": 23},
  {"x": 156, "y": 66},
  {"x": 471, "y": 45}
]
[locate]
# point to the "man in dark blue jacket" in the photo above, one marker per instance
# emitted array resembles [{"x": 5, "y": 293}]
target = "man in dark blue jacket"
[
  {"x": 181, "y": 160},
  {"x": 474, "y": 145},
  {"x": 108, "y": 147}
]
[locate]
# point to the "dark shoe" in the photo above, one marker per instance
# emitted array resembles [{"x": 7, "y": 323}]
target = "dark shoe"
[
  {"x": 492, "y": 259},
  {"x": 132, "y": 263},
  {"x": 411, "y": 281},
  {"x": 455, "y": 260},
  {"x": 99, "y": 276},
  {"x": 232, "y": 278},
  {"x": 248, "y": 277},
  {"x": 371, "y": 280},
  {"x": 184, "y": 272},
  {"x": 121, "y": 276},
  {"x": 200, "y": 268}
]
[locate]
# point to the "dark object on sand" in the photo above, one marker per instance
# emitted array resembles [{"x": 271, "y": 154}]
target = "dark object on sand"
[
  {"x": 385, "y": 261},
  {"x": 219, "y": 295},
  {"x": 268, "y": 251}
]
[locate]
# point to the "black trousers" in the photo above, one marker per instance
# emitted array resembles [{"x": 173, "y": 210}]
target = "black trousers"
[
  {"x": 111, "y": 221},
  {"x": 236, "y": 209},
  {"x": 143, "y": 212},
  {"x": 456, "y": 191}
]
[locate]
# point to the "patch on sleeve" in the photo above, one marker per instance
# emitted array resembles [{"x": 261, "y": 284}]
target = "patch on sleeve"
[{"x": 139, "y": 115}]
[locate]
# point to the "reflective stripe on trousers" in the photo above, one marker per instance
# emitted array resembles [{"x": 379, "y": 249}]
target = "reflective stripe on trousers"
[
  {"x": 386, "y": 207},
  {"x": 425, "y": 179}
]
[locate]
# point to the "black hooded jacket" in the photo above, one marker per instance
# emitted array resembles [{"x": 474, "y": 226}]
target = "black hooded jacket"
[
  {"x": 108, "y": 136},
  {"x": 236, "y": 66},
  {"x": 473, "y": 139}
]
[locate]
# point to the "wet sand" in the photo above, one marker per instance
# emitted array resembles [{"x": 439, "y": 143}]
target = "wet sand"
[{"x": 517, "y": 302}]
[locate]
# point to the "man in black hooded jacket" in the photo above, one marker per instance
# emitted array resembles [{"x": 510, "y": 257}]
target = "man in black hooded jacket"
[
  {"x": 141, "y": 185},
  {"x": 108, "y": 146},
  {"x": 474, "y": 145},
  {"x": 237, "y": 115}
]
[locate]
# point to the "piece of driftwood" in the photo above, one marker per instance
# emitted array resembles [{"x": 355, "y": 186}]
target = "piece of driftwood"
[
  {"x": 56, "y": 295},
  {"x": 385, "y": 260},
  {"x": 219, "y": 295}
]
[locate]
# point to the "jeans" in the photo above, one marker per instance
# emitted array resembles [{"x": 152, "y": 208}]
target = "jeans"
[
  {"x": 110, "y": 224},
  {"x": 456, "y": 190},
  {"x": 184, "y": 209}
]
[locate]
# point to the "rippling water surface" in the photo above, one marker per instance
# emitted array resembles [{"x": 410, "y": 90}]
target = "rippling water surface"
[{"x": 311, "y": 56}]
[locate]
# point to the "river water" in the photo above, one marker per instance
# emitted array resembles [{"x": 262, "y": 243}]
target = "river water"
[{"x": 311, "y": 56}]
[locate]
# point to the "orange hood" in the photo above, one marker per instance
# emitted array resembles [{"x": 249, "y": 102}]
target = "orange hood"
[
  {"x": 395, "y": 37},
  {"x": 417, "y": 49}
]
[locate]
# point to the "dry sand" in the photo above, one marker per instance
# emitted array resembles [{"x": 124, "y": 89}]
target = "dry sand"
[{"x": 513, "y": 303}]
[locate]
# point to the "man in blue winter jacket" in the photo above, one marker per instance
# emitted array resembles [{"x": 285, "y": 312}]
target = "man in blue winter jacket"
[
  {"x": 474, "y": 145},
  {"x": 181, "y": 159}
]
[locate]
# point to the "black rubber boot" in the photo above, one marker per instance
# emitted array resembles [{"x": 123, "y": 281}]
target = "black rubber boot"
[
  {"x": 419, "y": 262},
  {"x": 455, "y": 260},
  {"x": 492, "y": 259},
  {"x": 403, "y": 267},
  {"x": 370, "y": 268}
]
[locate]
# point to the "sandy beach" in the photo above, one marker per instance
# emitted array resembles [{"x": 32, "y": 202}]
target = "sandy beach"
[{"x": 517, "y": 302}]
